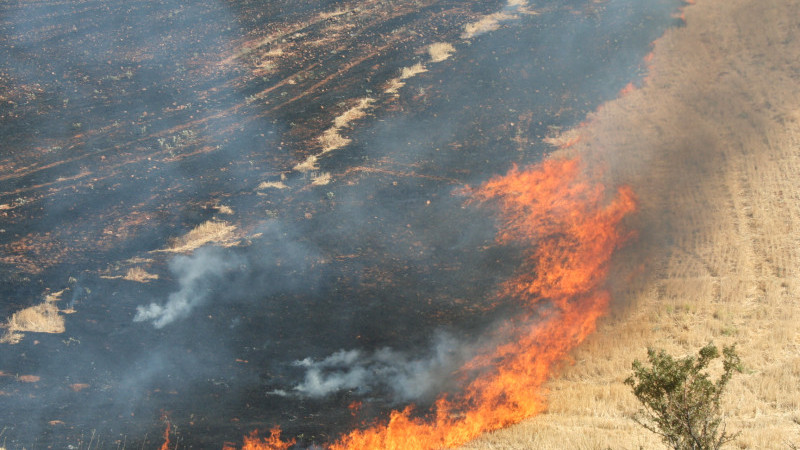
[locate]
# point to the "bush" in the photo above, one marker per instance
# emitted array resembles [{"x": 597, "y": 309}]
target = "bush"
[{"x": 681, "y": 402}]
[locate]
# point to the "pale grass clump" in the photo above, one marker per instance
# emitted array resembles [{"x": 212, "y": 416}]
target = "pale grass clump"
[
  {"x": 280, "y": 185},
  {"x": 310, "y": 164},
  {"x": 358, "y": 111},
  {"x": 211, "y": 231},
  {"x": 42, "y": 318},
  {"x": 224, "y": 209},
  {"x": 321, "y": 179},
  {"x": 412, "y": 71},
  {"x": 393, "y": 86},
  {"x": 331, "y": 139},
  {"x": 440, "y": 51},
  {"x": 407, "y": 72},
  {"x": 139, "y": 275},
  {"x": 486, "y": 24}
]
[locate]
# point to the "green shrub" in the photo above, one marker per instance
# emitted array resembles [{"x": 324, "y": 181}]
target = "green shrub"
[{"x": 681, "y": 402}]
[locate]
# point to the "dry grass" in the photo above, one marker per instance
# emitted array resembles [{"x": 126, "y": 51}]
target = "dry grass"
[
  {"x": 331, "y": 139},
  {"x": 711, "y": 144},
  {"x": 486, "y": 24},
  {"x": 140, "y": 275},
  {"x": 212, "y": 231},
  {"x": 137, "y": 274},
  {"x": 412, "y": 71},
  {"x": 440, "y": 51},
  {"x": 355, "y": 113},
  {"x": 272, "y": 185},
  {"x": 321, "y": 179},
  {"x": 393, "y": 86},
  {"x": 407, "y": 72},
  {"x": 42, "y": 318},
  {"x": 310, "y": 164},
  {"x": 224, "y": 209},
  {"x": 491, "y": 22},
  {"x": 563, "y": 138}
]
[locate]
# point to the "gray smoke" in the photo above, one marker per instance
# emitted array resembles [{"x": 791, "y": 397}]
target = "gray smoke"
[
  {"x": 196, "y": 274},
  {"x": 406, "y": 377}
]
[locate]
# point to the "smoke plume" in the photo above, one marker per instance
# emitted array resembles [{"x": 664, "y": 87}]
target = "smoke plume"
[
  {"x": 405, "y": 376},
  {"x": 196, "y": 274}
]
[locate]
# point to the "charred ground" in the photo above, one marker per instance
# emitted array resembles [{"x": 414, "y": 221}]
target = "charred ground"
[{"x": 127, "y": 124}]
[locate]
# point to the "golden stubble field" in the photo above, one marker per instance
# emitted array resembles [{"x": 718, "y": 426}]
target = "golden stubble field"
[{"x": 711, "y": 145}]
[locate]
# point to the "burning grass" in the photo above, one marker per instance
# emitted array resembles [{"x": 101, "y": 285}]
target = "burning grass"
[
  {"x": 717, "y": 258},
  {"x": 273, "y": 442},
  {"x": 571, "y": 227}
]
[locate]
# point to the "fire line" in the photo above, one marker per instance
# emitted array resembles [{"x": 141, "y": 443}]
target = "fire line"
[{"x": 570, "y": 227}]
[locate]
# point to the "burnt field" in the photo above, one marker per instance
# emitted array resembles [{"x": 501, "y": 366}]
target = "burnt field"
[{"x": 246, "y": 214}]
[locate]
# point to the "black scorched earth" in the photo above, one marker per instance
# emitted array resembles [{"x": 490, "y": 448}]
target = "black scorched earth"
[{"x": 229, "y": 215}]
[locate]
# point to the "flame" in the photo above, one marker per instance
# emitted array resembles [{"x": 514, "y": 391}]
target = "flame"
[
  {"x": 273, "y": 442},
  {"x": 165, "y": 445},
  {"x": 570, "y": 228},
  {"x": 562, "y": 218},
  {"x": 354, "y": 407},
  {"x": 628, "y": 88}
]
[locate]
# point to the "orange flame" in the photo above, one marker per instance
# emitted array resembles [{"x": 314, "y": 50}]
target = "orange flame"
[
  {"x": 563, "y": 219},
  {"x": 165, "y": 445},
  {"x": 628, "y": 88},
  {"x": 273, "y": 442},
  {"x": 570, "y": 228},
  {"x": 354, "y": 407}
]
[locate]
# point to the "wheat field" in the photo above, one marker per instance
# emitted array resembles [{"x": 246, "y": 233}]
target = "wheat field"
[{"x": 711, "y": 144}]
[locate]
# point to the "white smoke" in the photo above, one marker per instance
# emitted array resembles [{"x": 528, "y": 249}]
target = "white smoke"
[
  {"x": 404, "y": 377},
  {"x": 196, "y": 274}
]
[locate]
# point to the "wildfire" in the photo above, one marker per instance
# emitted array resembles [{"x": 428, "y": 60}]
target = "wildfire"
[
  {"x": 165, "y": 445},
  {"x": 628, "y": 88},
  {"x": 570, "y": 227},
  {"x": 273, "y": 442}
]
